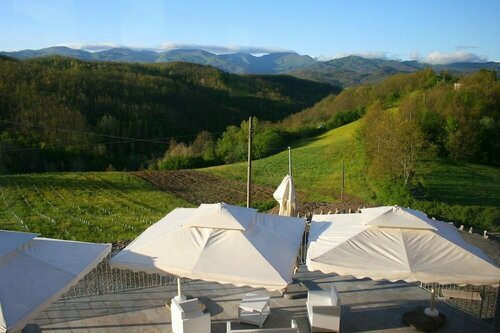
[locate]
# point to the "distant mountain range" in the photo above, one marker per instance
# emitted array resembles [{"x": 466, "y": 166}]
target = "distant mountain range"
[{"x": 346, "y": 71}]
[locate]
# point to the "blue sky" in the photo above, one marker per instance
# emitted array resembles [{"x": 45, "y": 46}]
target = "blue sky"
[{"x": 432, "y": 31}]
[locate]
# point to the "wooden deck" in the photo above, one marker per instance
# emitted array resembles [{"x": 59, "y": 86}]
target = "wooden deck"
[{"x": 367, "y": 306}]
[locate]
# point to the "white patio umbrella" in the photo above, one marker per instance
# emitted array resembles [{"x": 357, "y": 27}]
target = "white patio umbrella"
[
  {"x": 35, "y": 271},
  {"x": 394, "y": 243},
  {"x": 221, "y": 243},
  {"x": 285, "y": 195}
]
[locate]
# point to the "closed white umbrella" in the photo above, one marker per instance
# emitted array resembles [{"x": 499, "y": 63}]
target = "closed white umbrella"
[
  {"x": 221, "y": 243},
  {"x": 393, "y": 243},
  {"x": 285, "y": 195},
  {"x": 35, "y": 271}
]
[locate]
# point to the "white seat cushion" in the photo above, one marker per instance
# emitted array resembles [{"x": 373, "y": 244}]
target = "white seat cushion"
[
  {"x": 320, "y": 297},
  {"x": 190, "y": 308}
]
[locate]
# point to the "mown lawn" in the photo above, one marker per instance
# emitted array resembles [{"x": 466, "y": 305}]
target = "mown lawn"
[{"x": 96, "y": 206}]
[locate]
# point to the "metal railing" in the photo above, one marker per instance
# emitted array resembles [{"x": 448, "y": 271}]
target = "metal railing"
[
  {"x": 479, "y": 301},
  {"x": 106, "y": 280},
  {"x": 301, "y": 258}
]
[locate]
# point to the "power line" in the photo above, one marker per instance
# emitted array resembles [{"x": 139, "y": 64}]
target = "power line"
[
  {"x": 127, "y": 139},
  {"x": 64, "y": 146},
  {"x": 95, "y": 134}
]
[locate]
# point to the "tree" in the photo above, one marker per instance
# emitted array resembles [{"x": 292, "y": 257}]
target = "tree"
[{"x": 393, "y": 142}]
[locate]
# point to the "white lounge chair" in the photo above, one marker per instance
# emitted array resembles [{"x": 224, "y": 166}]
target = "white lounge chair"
[
  {"x": 187, "y": 317},
  {"x": 292, "y": 329},
  {"x": 323, "y": 310}
]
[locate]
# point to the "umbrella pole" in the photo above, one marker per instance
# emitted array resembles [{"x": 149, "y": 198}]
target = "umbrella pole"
[
  {"x": 432, "y": 311},
  {"x": 249, "y": 164},
  {"x": 179, "y": 296},
  {"x": 179, "y": 287}
]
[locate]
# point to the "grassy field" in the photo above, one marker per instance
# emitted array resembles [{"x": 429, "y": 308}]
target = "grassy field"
[
  {"x": 317, "y": 166},
  {"x": 112, "y": 206},
  {"x": 99, "y": 207},
  {"x": 460, "y": 183},
  {"x": 456, "y": 191}
]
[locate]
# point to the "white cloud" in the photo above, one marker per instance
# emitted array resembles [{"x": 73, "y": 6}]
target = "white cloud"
[
  {"x": 221, "y": 49},
  {"x": 217, "y": 49},
  {"x": 415, "y": 56},
  {"x": 92, "y": 47},
  {"x": 433, "y": 58},
  {"x": 365, "y": 54},
  {"x": 442, "y": 58}
]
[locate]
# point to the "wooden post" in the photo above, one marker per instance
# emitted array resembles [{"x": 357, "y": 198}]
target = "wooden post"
[
  {"x": 249, "y": 168},
  {"x": 289, "y": 161},
  {"x": 343, "y": 183}
]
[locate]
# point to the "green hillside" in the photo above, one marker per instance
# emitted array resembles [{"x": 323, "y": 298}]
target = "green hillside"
[
  {"x": 98, "y": 207},
  {"x": 456, "y": 191},
  {"x": 63, "y": 114},
  {"x": 460, "y": 183},
  {"x": 317, "y": 166}
]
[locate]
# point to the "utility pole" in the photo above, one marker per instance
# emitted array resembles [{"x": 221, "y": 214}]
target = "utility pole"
[
  {"x": 249, "y": 168},
  {"x": 289, "y": 161},
  {"x": 343, "y": 183}
]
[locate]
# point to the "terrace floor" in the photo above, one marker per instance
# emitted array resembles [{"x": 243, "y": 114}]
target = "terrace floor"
[{"x": 367, "y": 306}]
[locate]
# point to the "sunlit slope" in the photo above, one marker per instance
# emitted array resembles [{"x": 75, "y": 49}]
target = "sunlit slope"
[
  {"x": 317, "y": 166},
  {"x": 317, "y": 169}
]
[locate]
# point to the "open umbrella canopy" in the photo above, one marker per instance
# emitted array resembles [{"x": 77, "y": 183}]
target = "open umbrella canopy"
[
  {"x": 35, "y": 271},
  {"x": 395, "y": 243},
  {"x": 221, "y": 243},
  {"x": 285, "y": 195}
]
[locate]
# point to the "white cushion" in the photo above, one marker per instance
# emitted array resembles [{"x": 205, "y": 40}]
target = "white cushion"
[
  {"x": 320, "y": 297},
  {"x": 189, "y": 305}
]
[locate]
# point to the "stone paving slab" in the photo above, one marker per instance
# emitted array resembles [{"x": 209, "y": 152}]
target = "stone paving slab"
[{"x": 367, "y": 306}]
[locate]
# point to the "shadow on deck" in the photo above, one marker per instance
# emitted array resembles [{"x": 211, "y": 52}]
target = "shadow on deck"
[{"x": 366, "y": 306}]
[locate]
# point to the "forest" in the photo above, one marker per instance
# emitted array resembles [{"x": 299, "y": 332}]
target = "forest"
[
  {"x": 408, "y": 116},
  {"x": 63, "y": 114}
]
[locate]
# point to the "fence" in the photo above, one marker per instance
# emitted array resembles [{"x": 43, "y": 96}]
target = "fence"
[
  {"x": 479, "y": 301},
  {"x": 106, "y": 280}
]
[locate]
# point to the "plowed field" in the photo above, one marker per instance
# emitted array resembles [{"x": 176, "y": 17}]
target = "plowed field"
[{"x": 201, "y": 187}]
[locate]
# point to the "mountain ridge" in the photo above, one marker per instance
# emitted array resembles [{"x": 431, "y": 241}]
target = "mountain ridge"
[{"x": 345, "y": 71}]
